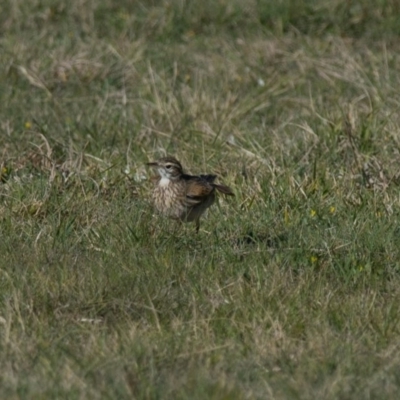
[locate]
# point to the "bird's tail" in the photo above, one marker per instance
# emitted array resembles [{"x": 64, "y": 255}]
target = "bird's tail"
[{"x": 223, "y": 189}]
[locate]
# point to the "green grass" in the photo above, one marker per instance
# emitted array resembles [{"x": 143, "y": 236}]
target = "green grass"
[{"x": 291, "y": 290}]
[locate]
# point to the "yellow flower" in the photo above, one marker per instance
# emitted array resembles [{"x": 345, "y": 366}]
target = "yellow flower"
[
  {"x": 28, "y": 125},
  {"x": 190, "y": 33},
  {"x": 313, "y": 259},
  {"x": 313, "y": 213},
  {"x": 332, "y": 209}
]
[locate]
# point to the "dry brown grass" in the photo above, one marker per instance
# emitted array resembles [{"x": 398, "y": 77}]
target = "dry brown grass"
[{"x": 291, "y": 291}]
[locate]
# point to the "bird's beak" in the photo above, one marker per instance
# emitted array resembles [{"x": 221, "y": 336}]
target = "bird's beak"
[{"x": 152, "y": 164}]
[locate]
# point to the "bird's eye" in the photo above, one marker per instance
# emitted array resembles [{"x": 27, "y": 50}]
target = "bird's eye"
[{"x": 168, "y": 166}]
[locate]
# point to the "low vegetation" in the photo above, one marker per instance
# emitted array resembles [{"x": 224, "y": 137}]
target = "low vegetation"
[{"x": 291, "y": 290}]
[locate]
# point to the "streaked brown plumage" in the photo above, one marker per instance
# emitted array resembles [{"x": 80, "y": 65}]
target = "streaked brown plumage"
[{"x": 181, "y": 196}]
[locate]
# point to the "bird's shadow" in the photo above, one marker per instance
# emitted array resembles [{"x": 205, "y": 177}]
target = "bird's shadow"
[{"x": 252, "y": 238}]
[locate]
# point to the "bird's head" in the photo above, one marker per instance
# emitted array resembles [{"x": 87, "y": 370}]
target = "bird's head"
[{"x": 167, "y": 167}]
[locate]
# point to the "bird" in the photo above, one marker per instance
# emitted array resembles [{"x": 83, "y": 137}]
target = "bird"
[{"x": 183, "y": 197}]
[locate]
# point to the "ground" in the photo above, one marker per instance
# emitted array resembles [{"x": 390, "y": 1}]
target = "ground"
[{"x": 291, "y": 290}]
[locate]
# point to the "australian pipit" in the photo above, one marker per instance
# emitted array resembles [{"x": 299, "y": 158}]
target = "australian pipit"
[{"x": 181, "y": 196}]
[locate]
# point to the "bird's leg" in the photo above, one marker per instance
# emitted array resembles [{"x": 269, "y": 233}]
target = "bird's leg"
[{"x": 197, "y": 225}]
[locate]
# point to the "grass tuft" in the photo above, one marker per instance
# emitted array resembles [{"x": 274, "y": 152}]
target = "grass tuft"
[{"x": 290, "y": 290}]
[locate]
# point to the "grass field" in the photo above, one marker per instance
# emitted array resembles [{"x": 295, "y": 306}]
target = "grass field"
[{"x": 291, "y": 290}]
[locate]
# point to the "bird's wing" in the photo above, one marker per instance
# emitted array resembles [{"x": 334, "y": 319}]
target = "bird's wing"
[
  {"x": 220, "y": 187},
  {"x": 197, "y": 190},
  {"x": 209, "y": 178}
]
